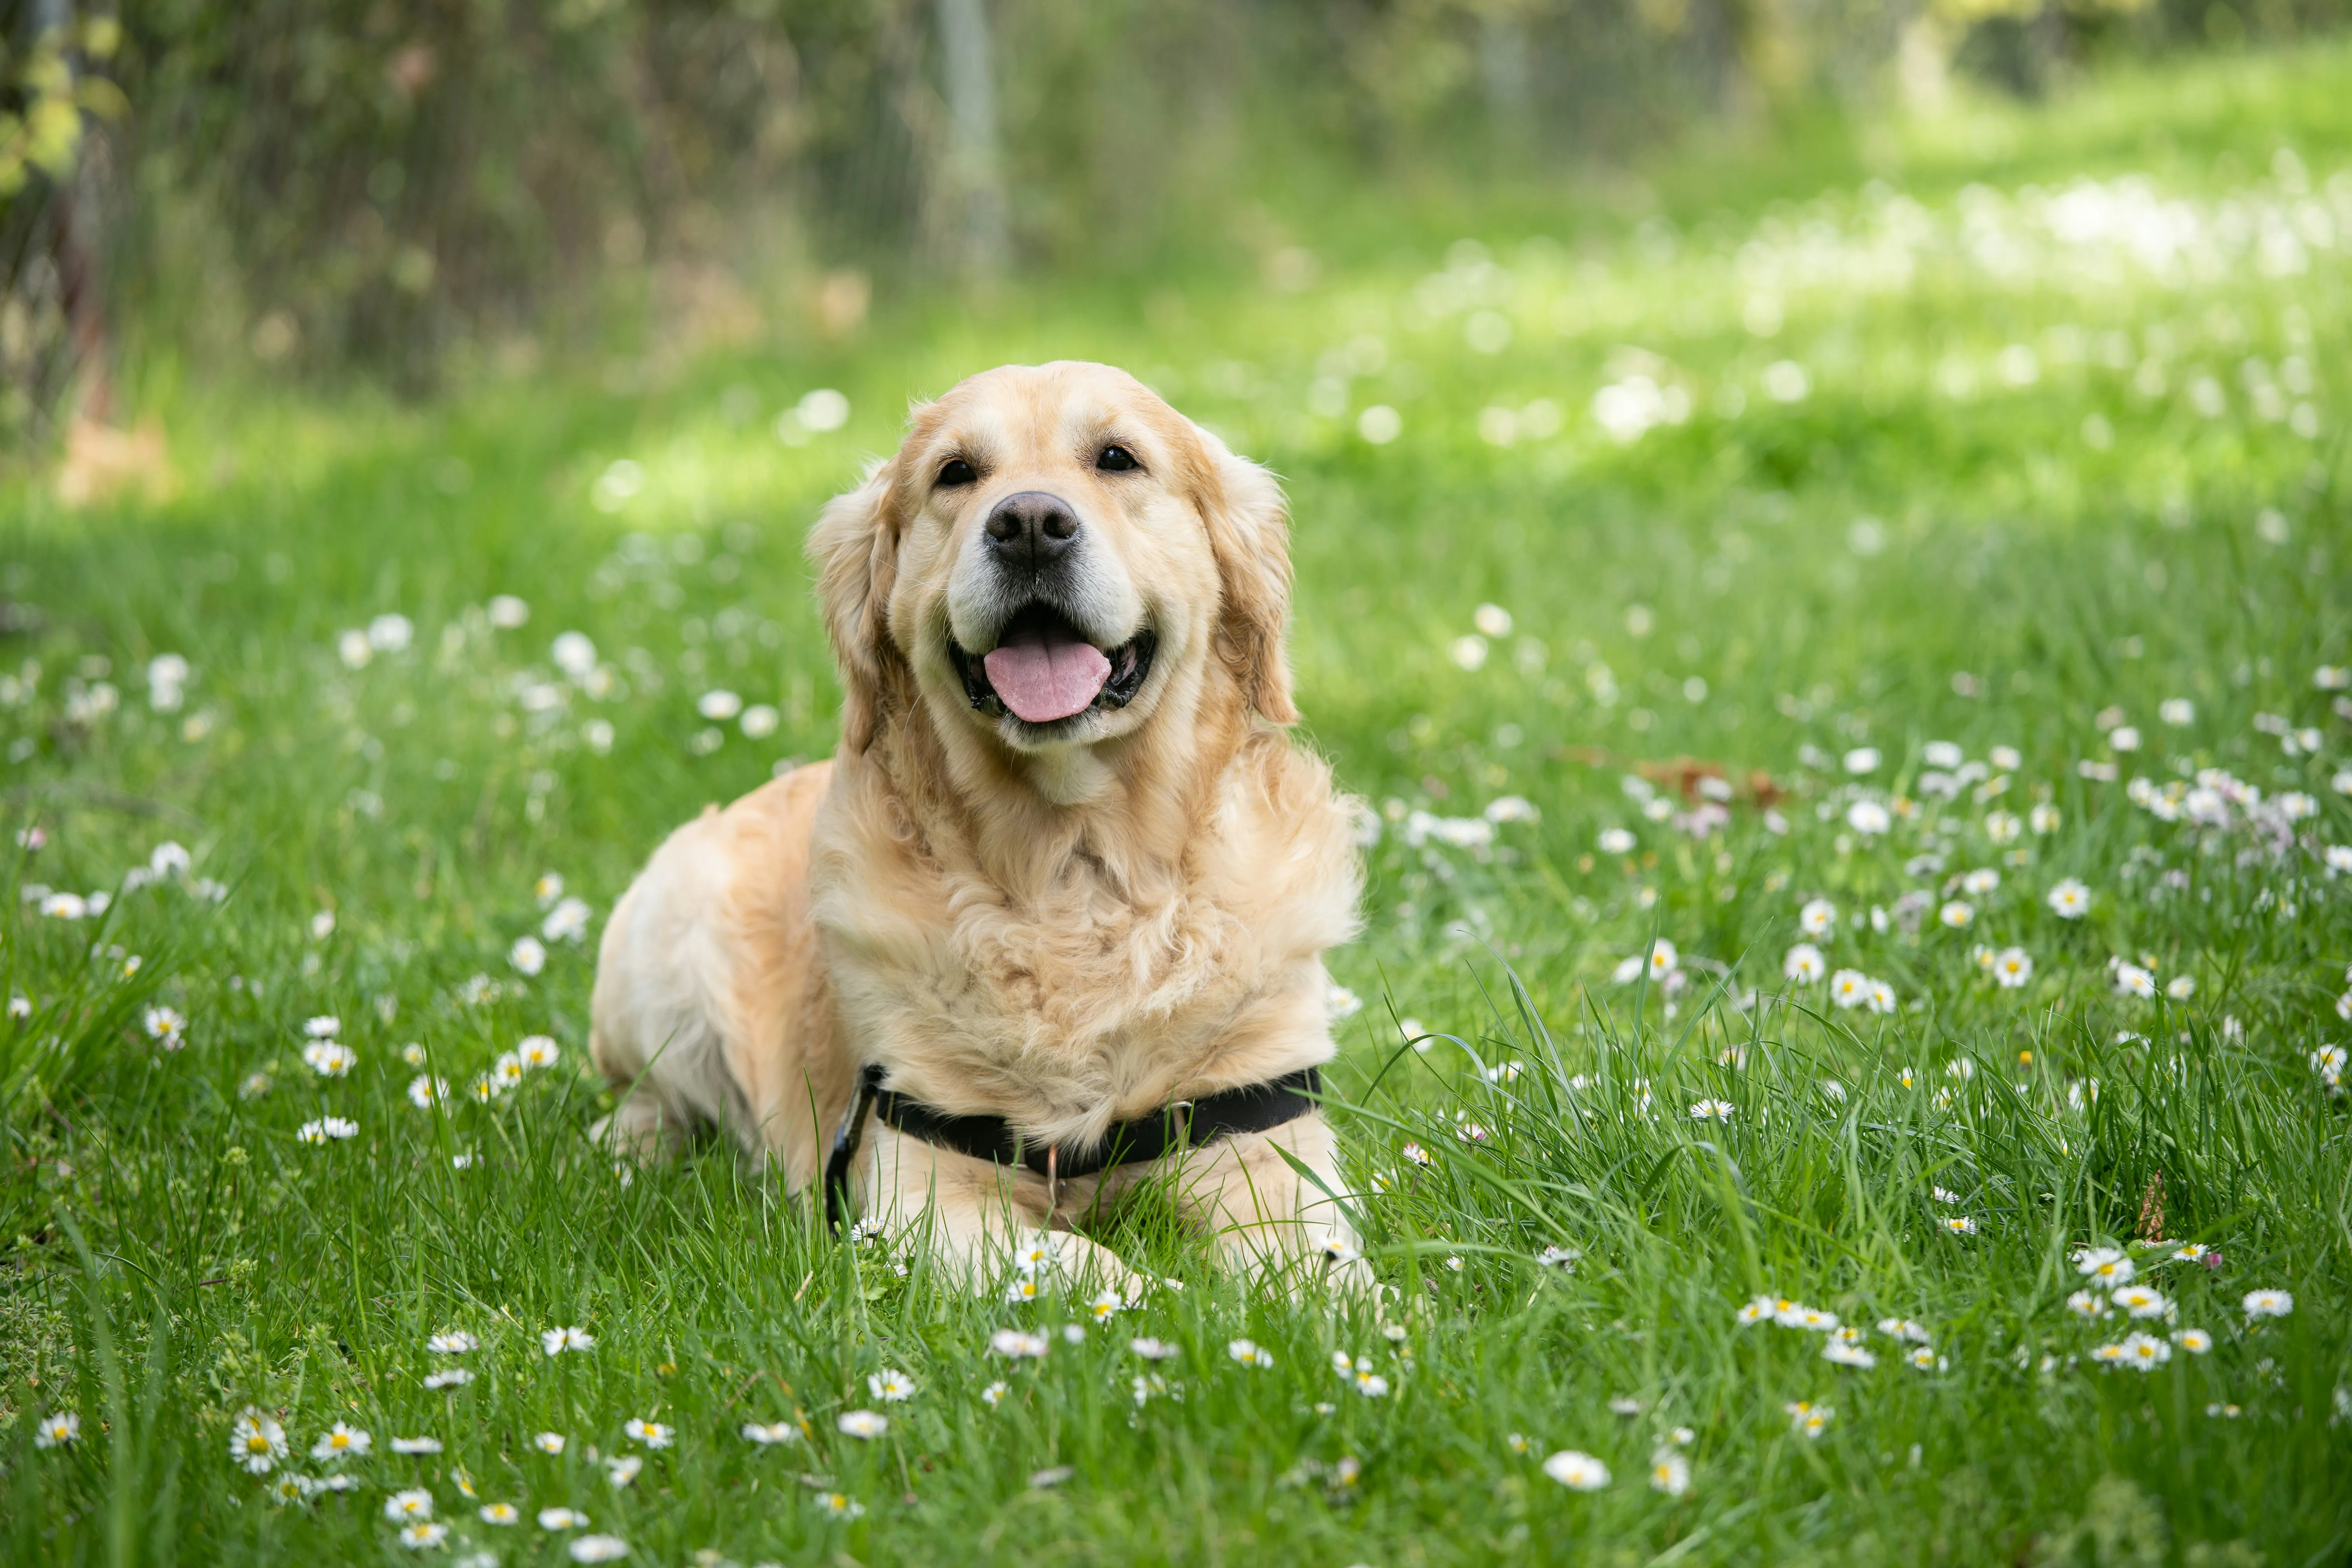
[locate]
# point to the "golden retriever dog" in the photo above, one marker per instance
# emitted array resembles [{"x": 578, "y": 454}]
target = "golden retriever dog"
[{"x": 1065, "y": 870}]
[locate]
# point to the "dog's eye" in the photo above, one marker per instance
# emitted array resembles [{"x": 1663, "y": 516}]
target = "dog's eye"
[
  {"x": 1117, "y": 460},
  {"x": 956, "y": 471}
]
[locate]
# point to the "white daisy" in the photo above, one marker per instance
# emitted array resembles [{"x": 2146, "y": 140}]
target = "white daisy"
[
  {"x": 1018, "y": 1345},
  {"x": 256, "y": 1441},
  {"x": 1576, "y": 1471},
  {"x": 58, "y": 1429},
  {"x": 863, "y": 1425},
  {"x": 414, "y": 1504},
  {"x": 769, "y": 1434},
  {"x": 555, "y": 1341},
  {"x": 342, "y": 1441},
  {"x": 891, "y": 1386},
  {"x": 2070, "y": 900},
  {"x": 2268, "y": 1304}
]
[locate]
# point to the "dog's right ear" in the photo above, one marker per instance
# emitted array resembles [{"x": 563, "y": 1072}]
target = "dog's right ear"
[{"x": 854, "y": 548}]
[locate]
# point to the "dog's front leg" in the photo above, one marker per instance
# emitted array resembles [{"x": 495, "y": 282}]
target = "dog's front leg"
[
  {"x": 979, "y": 1222},
  {"x": 1268, "y": 1219}
]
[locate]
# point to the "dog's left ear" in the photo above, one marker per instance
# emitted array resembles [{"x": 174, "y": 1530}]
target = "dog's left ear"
[
  {"x": 1249, "y": 530},
  {"x": 854, "y": 547}
]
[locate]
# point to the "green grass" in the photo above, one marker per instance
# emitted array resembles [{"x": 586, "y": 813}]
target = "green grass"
[{"x": 1929, "y": 546}]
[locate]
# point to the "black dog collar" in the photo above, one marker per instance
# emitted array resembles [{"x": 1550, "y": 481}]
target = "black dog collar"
[{"x": 1253, "y": 1108}]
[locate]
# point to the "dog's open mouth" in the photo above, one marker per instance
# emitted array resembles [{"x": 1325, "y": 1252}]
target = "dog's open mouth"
[{"x": 1042, "y": 669}]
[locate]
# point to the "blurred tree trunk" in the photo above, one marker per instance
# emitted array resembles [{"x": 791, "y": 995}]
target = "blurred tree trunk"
[
  {"x": 74, "y": 210},
  {"x": 974, "y": 171}
]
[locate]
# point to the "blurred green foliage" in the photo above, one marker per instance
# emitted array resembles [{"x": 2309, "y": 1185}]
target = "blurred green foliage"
[{"x": 354, "y": 182}]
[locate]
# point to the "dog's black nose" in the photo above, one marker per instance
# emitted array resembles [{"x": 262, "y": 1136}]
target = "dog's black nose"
[{"x": 1031, "y": 528}]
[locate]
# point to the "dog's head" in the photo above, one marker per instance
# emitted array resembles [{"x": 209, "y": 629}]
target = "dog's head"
[{"x": 1051, "y": 558}]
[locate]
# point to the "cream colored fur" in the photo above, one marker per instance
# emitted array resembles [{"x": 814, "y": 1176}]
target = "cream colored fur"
[{"x": 1064, "y": 935}]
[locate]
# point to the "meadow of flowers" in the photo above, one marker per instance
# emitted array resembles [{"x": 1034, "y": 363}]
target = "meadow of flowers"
[{"x": 1848, "y": 668}]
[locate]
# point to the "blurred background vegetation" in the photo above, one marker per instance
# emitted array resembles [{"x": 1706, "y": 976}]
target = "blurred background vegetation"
[{"x": 408, "y": 191}]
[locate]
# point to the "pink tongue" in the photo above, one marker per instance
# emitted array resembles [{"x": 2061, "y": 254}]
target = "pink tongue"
[{"x": 1046, "y": 675}]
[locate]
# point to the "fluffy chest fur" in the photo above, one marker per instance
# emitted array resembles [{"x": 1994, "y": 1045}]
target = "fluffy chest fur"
[{"x": 1118, "y": 973}]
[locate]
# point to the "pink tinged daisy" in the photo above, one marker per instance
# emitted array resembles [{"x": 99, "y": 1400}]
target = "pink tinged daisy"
[
  {"x": 769, "y": 1434},
  {"x": 863, "y": 1425},
  {"x": 555, "y": 1341},
  {"x": 58, "y": 1429},
  {"x": 255, "y": 1441},
  {"x": 561, "y": 1518},
  {"x": 340, "y": 1441},
  {"x": 2268, "y": 1304},
  {"x": 414, "y": 1504},
  {"x": 1414, "y": 1154},
  {"x": 1576, "y": 1471}
]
